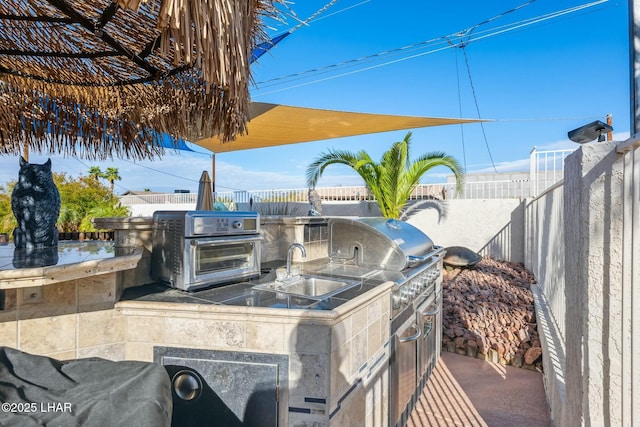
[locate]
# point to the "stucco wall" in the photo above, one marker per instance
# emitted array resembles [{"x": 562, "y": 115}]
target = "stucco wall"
[
  {"x": 598, "y": 358},
  {"x": 492, "y": 227}
]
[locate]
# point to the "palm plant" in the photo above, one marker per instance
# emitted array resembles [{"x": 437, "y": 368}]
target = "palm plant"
[
  {"x": 393, "y": 179},
  {"x": 95, "y": 172},
  {"x": 112, "y": 175}
]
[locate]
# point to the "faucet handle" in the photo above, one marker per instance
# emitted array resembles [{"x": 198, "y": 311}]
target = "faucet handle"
[{"x": 281, "y": 273}]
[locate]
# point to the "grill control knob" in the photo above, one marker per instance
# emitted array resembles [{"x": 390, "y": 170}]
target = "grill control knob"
[
  {"x": 416, "y": 287},
  {"x": 405, "y": 296},
  {"x": 396, "y": 300}
]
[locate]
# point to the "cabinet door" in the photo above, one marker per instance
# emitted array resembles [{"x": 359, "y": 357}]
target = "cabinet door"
[{"x": 242, "y": 388}]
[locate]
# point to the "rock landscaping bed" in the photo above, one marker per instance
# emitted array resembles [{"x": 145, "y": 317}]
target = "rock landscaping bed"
[{"x": 488, "y": 313}]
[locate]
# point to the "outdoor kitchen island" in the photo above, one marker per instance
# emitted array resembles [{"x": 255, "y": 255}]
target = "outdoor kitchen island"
[
  {"x": 314, "y": 366},
  {"x": 260, "y": 355}
]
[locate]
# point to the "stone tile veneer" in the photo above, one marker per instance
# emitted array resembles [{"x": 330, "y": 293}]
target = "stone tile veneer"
[
  {"x": 280, "y": 232},
  {"x": 66, "y": 310},
  {"x": 131, "y": 232},
  {"x": 65, "y": 320},
  {"x": 337, "y": 359}
]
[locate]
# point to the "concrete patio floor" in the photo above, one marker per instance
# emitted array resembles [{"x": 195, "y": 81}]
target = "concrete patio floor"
[{"x": 463, "y": 391}]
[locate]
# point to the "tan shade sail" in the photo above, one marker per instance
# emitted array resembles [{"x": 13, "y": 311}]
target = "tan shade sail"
[{"x": 271, "y": 125}]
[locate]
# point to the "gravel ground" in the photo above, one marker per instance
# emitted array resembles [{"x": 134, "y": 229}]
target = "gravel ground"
[{"x": 488, "y": 313}]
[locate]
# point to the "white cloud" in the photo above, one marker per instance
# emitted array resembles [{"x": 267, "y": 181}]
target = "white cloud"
[{"x": 567, "y": 144}]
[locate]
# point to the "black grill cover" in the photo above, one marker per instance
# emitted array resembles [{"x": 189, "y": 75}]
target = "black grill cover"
[{"x": 99, "y": 393}]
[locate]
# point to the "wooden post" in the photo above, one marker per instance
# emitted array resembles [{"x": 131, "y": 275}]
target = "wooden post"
[{"x": 213, "y": 172}]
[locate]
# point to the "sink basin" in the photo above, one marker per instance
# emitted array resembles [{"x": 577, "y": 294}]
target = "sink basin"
[
  {"x": 263, "y": 298},
  {"x": 317, "y": 286},
  {"x": 310, "y": 286}
]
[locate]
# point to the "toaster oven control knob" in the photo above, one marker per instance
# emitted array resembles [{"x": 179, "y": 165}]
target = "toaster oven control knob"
[{"x": 237, "y": 225}]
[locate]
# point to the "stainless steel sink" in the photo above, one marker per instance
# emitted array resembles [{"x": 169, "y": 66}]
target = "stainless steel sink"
[
  {"x": 266, "y": 298},
  {"x": 345, "y": 270},
  {"x": 317, "y": 286},
  {"x": 310, "y": 286}
]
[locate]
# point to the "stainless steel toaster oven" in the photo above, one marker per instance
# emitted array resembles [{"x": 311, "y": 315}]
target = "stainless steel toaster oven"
[{"x": 197, "y": 249}]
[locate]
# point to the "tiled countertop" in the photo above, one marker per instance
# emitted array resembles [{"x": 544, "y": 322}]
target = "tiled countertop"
[
  {"x": 67, "y": 261},
  {"x": 228, "y": 297}
]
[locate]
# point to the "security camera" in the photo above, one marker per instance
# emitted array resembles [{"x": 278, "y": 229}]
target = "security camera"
[{"x": 588, "y": 133}]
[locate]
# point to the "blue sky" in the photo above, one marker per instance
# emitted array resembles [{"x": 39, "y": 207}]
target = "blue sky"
[{"x": 536, "y": 82}]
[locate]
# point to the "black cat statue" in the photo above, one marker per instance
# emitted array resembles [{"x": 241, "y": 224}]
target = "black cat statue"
[{"x": 35, "y": 202}]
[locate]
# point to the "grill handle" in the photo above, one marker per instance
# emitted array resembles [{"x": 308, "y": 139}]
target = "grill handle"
[
  {"x": 431, "y": 312},
  {"x": 413, "y": 260},
  {"x": 413, "y": 337}
]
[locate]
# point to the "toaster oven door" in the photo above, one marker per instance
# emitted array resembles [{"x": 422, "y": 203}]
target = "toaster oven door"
[{"x": 218, "y": 260}]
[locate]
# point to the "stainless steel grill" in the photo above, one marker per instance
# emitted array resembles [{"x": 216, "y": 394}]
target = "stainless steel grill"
[
  {"x": 378, "y": 243},
  {"x": 397, "y": 251}
]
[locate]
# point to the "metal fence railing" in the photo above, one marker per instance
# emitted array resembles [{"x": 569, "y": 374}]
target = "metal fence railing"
[
  {"x": 159, "y": 199},
  {"x": 546, "y": 168},
  {"x": 472, "y": 190}
]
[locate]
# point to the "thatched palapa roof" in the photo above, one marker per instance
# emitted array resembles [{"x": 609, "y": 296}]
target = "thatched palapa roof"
[{"x": 96, "y": 78}]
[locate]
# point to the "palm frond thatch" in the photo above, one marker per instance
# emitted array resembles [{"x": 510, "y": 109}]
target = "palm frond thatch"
[{"x": 97, "y": 78}]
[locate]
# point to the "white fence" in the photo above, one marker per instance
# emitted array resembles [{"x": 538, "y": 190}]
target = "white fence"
[
  {"x": 159, "y": 199},
  {"x": 545, "y": 250},
  {"x": 546, "y": 168},
  {"x": 505, "y": 189}
]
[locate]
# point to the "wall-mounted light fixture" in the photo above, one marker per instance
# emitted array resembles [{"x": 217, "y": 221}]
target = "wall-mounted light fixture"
[{"x": 588, "y": 133}]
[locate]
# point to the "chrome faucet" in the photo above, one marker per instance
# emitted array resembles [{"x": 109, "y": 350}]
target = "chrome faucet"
[{"x": 290, "y": 252}]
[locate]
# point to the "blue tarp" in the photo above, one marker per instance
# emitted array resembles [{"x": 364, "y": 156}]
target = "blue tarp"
[
  {"x": 168, "y": 142},
  {"x": 262, "y": 48}
]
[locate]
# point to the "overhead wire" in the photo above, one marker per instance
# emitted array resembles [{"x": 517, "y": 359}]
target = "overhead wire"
[
  {"x": 464, "y": 153},
  {"x": 436, "y": 44},
  {"x": 475, "y": 100},
  {"x": 461, "y": 39},
  {"x": 160, "y": 172},
  {"x": 340, "y": 11},
  {"x": 314, "y": 15},
  {"x": 115, "y": 184}
]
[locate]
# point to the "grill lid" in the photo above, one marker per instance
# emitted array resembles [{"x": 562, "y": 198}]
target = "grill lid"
[{"x": 378, "y": 243}]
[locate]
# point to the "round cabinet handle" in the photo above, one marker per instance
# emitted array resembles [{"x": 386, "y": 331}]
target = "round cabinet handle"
[{"x": 413, "y": 337}]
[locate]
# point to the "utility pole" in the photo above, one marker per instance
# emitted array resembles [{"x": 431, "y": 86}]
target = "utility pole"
[{"x": 610, "y": 123}]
